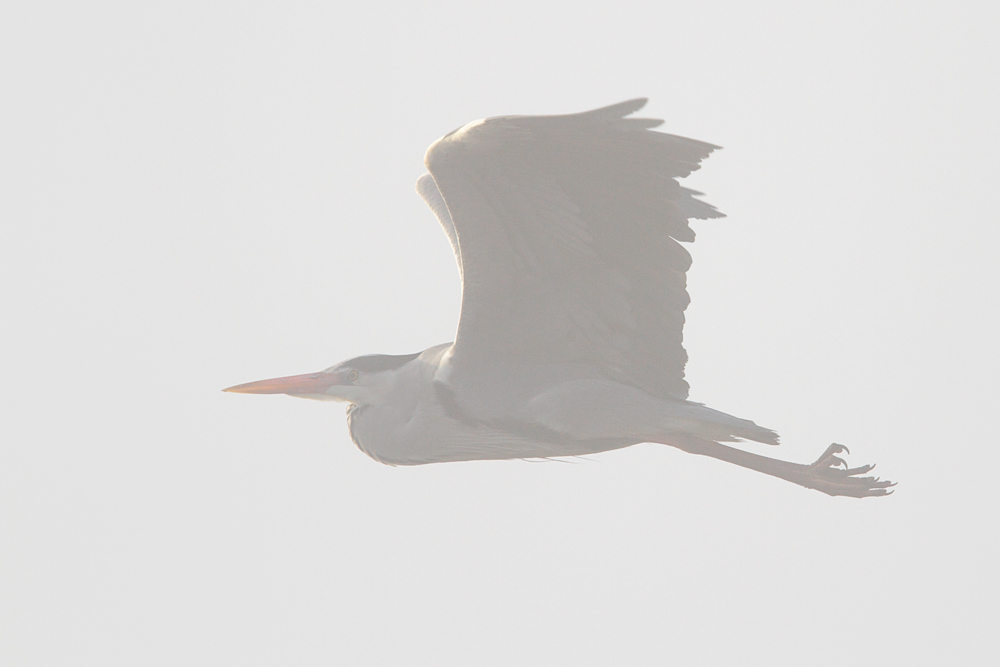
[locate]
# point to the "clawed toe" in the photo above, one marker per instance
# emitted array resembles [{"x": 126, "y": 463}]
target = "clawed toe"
[
  {"x": 829, "y": 459},
  {"x": 831, "y": 475}
]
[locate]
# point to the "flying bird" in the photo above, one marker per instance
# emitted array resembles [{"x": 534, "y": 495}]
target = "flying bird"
[{"x": 566, "y": 232}]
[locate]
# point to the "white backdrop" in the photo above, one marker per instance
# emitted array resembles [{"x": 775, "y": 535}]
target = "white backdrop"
[{"x": 198, "y": 194}]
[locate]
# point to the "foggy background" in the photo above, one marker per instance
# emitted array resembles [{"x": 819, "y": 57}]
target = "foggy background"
[{"x": 201, "y": 194}]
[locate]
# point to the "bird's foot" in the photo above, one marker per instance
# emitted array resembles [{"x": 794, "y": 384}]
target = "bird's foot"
[{"x": 831, "y": 475}]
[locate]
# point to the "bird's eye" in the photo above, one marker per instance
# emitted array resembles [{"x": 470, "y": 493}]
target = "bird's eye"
[{"x": 353, "y": 375}]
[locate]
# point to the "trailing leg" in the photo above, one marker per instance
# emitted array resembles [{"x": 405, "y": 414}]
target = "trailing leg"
[{"x": 829, "y": 473}]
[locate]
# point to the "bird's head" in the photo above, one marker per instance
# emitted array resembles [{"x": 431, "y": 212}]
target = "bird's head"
[{"x": 362, "y": 380}]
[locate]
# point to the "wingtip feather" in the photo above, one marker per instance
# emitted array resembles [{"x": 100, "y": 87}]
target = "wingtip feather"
[{"x": 621, "y": 109}]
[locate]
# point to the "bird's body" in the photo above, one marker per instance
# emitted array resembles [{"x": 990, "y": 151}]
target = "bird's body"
[
  {"x": 409, "y": 425},
  {"x": 565, "y": 230}
]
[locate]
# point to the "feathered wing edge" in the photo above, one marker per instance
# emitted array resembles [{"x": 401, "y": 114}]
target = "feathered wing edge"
[{"x": 653, "y": 161}]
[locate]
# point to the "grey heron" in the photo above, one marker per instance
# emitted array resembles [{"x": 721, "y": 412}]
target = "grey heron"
[{"x": 566, "y": 232}]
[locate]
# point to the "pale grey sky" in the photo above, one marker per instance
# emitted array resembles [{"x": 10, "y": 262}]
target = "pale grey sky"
[{"x": 198, "y": 194}]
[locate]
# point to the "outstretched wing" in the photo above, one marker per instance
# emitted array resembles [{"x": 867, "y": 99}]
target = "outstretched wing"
[{"x": 566, "y": 231}]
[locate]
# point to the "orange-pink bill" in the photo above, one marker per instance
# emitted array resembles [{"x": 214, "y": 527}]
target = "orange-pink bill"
[{"x": 310, "y": 383}]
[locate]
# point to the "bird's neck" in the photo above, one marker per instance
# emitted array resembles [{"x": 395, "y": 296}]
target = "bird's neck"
[{"x": 389, "y": 427}]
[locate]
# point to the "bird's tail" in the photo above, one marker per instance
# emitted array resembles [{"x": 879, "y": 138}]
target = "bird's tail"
[{"x": 718, "y": 426}]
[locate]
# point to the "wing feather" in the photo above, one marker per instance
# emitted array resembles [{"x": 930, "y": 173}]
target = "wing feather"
[
  {"x": 566, "y": 231},
  {"x": 428, "y": 191}
]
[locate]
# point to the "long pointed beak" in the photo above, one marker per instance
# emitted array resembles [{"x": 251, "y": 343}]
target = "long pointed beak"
[{"x": 310, "y": 383}]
